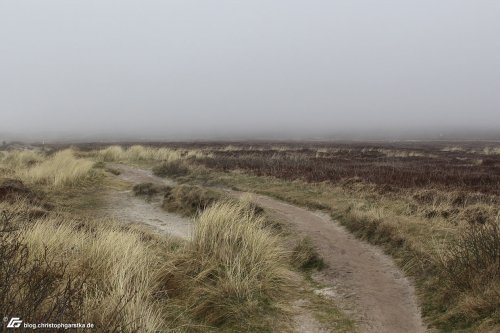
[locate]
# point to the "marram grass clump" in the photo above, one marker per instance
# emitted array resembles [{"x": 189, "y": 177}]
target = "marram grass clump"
[
  {"x": 233, "y": 269},
  {"x": 59, "y": 170}
]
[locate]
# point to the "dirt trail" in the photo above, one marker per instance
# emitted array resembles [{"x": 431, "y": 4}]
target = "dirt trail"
[
  {"x": 124, "y": 206},
  {"x": 360, "y": 278}
]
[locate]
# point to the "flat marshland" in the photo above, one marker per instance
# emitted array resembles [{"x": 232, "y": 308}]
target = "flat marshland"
[{"x": 434, "y": 207}]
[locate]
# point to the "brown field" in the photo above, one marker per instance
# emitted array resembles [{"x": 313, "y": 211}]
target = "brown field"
[{"x": 389, "y": 167}]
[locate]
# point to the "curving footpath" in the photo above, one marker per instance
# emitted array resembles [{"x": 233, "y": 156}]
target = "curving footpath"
[{"x": 359, "y": 277}]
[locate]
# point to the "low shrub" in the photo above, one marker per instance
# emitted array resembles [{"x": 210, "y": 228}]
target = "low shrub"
[
  {"x": 113, "y": 171},
  {"x": 189, "y": 200},
  {"x": 12, "y": 188},
  {"x": 99, "y": 165},
  {"x": 474, "y": 258},
  {"x": 35, "y": 286},
  {"x": 471, "y": 269},
  {"x": 478, "y": 214},
  {"x": 171, "y": 169},
  {"x": 306, "y": 257},
  {"x": 150, "y": 189}
]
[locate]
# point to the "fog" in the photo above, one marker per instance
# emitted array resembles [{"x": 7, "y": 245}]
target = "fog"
[{"x": 184, "y": 70}]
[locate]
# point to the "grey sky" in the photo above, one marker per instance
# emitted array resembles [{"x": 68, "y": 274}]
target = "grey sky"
[{"x": 190, "y": 69}]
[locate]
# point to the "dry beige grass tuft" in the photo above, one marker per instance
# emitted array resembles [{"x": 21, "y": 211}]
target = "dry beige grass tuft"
[
  {"x": 492, "y": 150},
  {"x": 94, "y": 271},
  {"x": 111, "y": 154},
  {"x": 236, "y": 268},
  {"x": 21, "y": 158},
  {"x": 121, "y": 270},
  {"x": 59, "y": 170},
  {"x": 139, "y": 153}
]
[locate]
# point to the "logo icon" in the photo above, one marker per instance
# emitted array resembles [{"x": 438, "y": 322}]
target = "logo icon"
[{"x": 14, "y": 322}]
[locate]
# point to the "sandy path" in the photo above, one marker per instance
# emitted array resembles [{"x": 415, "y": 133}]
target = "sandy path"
[
  {"x": 126, "y": 207},
  {"x": 360, "y": 278}
]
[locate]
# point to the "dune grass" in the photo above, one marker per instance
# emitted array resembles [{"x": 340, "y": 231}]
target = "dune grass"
[
  {"x": 235, "y": 268},
  {"x": 139, "y": 153},
  {"x": 21, "y": 158},
  {"x": 61, "y": 269},
  {"x": 59, "y": 170},
  {"x": 120, "y": 270},
  {"x": 111, "y": 154}
]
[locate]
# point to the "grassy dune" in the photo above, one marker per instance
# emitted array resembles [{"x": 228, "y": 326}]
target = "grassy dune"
[{"x": 57, "y": 266}]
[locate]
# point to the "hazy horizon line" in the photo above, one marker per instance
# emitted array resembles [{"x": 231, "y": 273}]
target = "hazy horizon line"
[{"x": 452, "y": 136}]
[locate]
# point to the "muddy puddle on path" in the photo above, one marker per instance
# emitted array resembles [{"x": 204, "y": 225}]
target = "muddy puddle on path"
[{"x": 125, "y": 207}]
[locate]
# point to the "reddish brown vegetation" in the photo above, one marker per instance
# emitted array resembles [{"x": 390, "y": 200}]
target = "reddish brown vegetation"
[{"x": 436, "y": 168}]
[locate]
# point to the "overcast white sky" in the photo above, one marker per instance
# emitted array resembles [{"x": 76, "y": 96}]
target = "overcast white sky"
[{"x": 191, "y": 69}]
